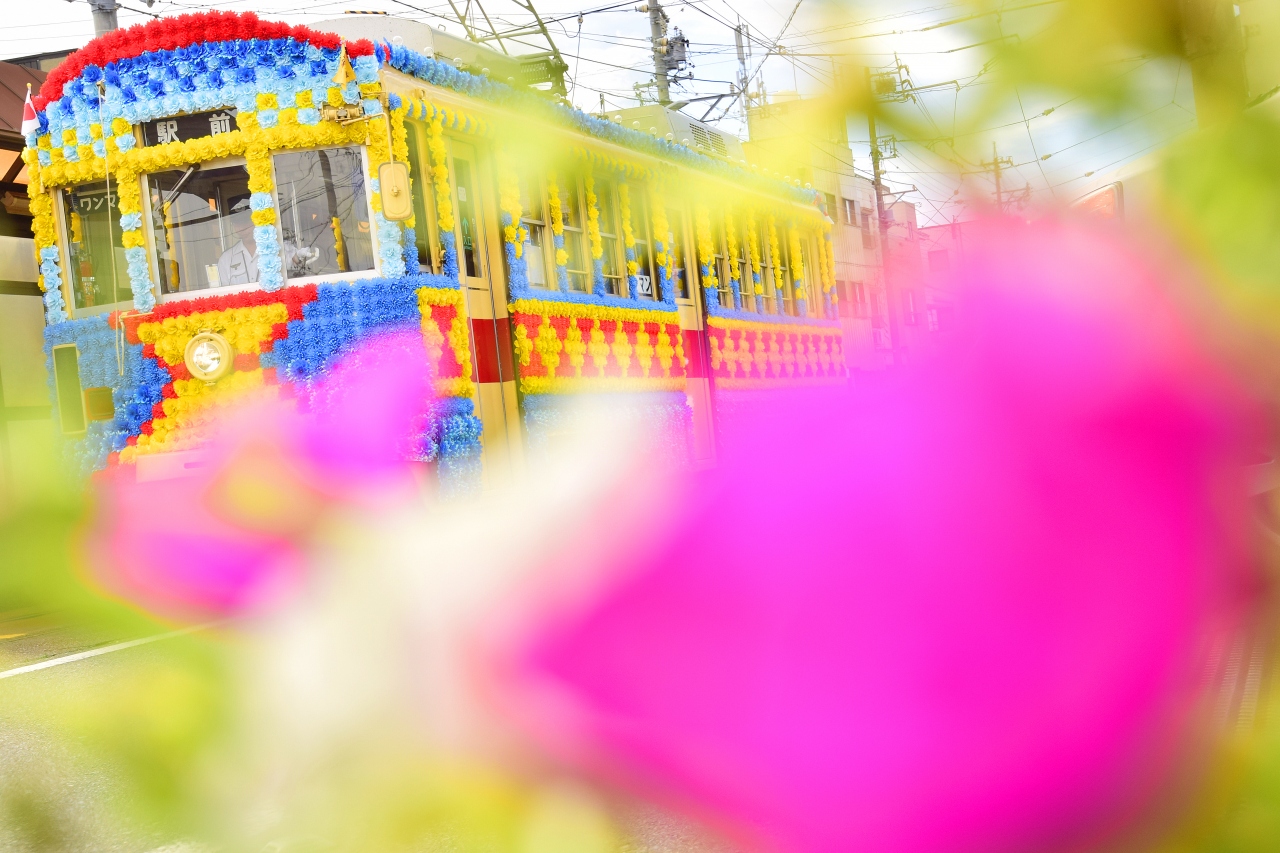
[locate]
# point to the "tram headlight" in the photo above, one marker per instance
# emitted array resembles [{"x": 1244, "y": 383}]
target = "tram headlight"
[{"x": 208, "y": 356}]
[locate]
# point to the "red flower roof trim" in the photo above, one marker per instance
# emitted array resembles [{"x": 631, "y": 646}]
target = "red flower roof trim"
[{"x": 182, "y": 31}]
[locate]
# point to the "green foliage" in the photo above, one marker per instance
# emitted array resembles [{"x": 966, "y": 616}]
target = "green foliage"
[{"x": 1223, "y": 189}]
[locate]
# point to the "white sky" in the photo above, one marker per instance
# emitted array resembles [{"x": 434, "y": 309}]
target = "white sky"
[{"x": 609, "y": 54}]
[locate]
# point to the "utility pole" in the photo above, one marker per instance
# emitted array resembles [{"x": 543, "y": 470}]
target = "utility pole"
[
  {"x": 658, "y": 36},
  {"x": 1023, "y": 198},
  {"x": 739, "y": 41},
  {"x": 882, "y": 218},
  {"x": 995, "y": 164},
  {"x": 104, "y": 15}
]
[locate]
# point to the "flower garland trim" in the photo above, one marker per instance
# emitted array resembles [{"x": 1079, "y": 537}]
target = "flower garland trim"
[
  {"x": 775, "y": 253},
  {"x": 444, "y": 193},
  {"x": 563, "y": 348},
  {"x": 753, "y": 257},
  {"x": 594, "y": 240},
  {"x": 663, "y": 242},
  {"x": 420, "y": 108},
  {"x": 605, "y": 385},
  {"x": 797, "y": 269},
  {"x": 762, "y": 354},
  {"x": 733, "y": 259},
  {"x": 770, "y": 322},
  {"x": 256, "y": 146},
  {"x": 514, "y": 233},
  {"x": 457, "y": 337},
  {"x": 706, "y": 256},
  {"x": 555, "y": 213},
  {"x": 170, "y": 34},
  {"x": 595, "y": 311},
  {"x": 602, "y": 160},
  {"x": 829, "y": 275},
  {"x": 628, "y": 240}
]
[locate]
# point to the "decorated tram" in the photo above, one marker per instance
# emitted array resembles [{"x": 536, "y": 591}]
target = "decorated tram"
[{"x": 223, "y": 205}]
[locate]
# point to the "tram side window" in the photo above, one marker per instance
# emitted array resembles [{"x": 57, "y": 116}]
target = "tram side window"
[
  {"x": 739, "y": 263},
  {"x": 611, "y": 258},
  {"x": 675, "y": 221},
  {"x": 641, "y": 225},
  {"x": 424, "y": 208},
  {"x": 766, "y": 274},
  {"x": 202, "y": 228},
  {"x": 719, "y": 262},
  {"x": 323, "y": 212},
  {"x": 575, "y": 243},
  {"x": 537, "y": 258},
  {"x": 469, "y": 252},
  {"x": 98, "y": 273}
]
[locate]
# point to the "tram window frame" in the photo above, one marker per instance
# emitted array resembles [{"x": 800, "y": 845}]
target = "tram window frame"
[
  {"x": 719, "y": 262},
  {"x": 613, "y": 258},
  {"x": 642, "y": 235},
  {"x": 746, "y": 283},
  {"x": 766, "y": 272},
  {"x": 677, "y": 218},
  {"x": 783, "y": 263},
  {"x": 810, "y": 285},
  {"x": 573, "y": 198},
  {"x": 153, "y": 258},
  {"x": 533, "y": 185},
  {"x": 476, "y": 262},
  {"x": 426, "y": 220},
  {"x": 64, "y": 254},
  {"x": 153, "y": 254},
  {"x": 374, "y": 247}
]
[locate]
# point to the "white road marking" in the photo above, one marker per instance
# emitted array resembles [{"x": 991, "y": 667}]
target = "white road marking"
[{"x": 116, "y": 647}]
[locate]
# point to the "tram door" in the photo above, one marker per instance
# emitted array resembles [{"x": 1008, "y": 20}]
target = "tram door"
[{"x": 480, "y": 266}]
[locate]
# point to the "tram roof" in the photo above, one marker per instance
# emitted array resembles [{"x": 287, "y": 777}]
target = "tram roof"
[{"x": 146, "y": 54}]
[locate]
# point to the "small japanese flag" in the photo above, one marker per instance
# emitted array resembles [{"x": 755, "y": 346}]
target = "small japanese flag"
[{"x": 30, "y": 124}]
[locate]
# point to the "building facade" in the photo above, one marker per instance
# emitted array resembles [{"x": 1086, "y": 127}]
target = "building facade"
[{"x": 25, "y": 414}]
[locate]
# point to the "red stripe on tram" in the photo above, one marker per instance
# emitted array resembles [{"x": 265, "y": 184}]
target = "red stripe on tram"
[{"x": 492, "y": 339}]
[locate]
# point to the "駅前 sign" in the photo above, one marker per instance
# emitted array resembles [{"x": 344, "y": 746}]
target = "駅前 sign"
[{"x": 191, "y": 126}]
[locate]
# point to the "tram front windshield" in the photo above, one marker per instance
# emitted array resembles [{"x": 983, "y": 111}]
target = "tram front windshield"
[
  {"x": 323, "y": 211},
  {"x": 203, "y": 228}
]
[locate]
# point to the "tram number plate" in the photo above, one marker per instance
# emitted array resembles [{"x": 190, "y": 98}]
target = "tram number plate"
[{"x": 191, "y": 126}]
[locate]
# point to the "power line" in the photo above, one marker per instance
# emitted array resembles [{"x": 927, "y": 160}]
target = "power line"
[{"x": 939, "y": 24}]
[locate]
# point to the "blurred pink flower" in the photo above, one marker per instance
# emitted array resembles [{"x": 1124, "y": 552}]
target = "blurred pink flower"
[
  {"x": 232, "y": 536},
  {"x": 958, "y": 609}
]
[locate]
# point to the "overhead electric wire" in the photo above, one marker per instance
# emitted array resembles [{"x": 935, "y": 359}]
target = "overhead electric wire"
[
  {"x": 940, "y": 24},
  {"x": 770, "y": 49}
]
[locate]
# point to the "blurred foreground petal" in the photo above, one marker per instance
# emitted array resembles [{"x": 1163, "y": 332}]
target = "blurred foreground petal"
[
  {"x": 969, "y": 615},
  {"x": 231, "y": 537}
]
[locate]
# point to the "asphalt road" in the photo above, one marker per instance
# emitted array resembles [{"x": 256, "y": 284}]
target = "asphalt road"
[
  {"x": 57, "y": 795},
  {"x": 54, "y": 796}
]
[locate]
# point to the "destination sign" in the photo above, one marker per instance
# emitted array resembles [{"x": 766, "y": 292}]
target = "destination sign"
[{"x": 191, "y": 126}]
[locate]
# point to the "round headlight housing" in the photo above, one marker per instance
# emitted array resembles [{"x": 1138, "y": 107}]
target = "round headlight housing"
[{"x": 208, "y": 356}]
